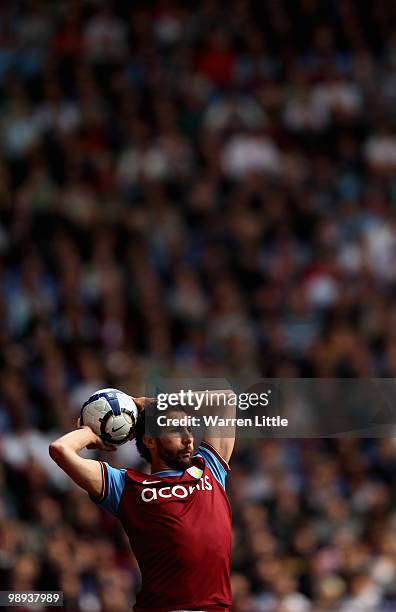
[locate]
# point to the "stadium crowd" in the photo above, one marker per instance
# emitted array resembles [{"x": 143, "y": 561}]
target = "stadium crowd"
[{"x": 189, "y": 190}]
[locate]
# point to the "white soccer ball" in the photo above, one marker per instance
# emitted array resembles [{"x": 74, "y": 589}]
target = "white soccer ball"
[{"x": 111, "y": 414}]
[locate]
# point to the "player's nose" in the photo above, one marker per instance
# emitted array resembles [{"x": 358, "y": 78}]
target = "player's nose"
[{"x": 187, "y": 438}]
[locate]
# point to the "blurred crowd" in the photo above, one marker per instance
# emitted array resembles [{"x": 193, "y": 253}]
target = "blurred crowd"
[{"x": 189, "y": 190}]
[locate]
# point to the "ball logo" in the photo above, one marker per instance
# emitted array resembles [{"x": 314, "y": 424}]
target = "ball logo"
[{"x": 178, "y": 491}]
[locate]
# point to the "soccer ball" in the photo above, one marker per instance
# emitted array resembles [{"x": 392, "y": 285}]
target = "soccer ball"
[{"x": 111, "y": 414}]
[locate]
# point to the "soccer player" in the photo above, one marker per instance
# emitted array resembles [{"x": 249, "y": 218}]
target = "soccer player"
[{"x": 178, "y": 518}]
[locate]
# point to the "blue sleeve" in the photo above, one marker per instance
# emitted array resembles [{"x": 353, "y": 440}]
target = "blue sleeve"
[
  {"x": 215, "y": 462},
  {"x": 113, "y": 486}
]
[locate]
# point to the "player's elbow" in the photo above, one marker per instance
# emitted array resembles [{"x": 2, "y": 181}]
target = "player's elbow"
[{"x": 56, "y": 451}]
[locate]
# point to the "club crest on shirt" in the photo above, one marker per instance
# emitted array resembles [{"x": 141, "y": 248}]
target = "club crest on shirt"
[{"x": 194, "y": 471}]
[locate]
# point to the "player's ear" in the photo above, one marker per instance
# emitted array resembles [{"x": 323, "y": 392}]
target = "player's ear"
[{"x": 148, "y": 441}]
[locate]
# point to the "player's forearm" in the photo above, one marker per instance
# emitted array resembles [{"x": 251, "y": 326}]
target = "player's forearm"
[
  {"x": 74, "y": 441},
  {"x": 222, "y": 404}
]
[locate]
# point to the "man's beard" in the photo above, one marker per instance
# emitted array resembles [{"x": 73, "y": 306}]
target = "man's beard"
[{"x": 175, "y": 460}]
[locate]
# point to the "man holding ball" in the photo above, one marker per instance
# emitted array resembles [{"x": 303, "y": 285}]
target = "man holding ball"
[{"x": 178, "y": 518}]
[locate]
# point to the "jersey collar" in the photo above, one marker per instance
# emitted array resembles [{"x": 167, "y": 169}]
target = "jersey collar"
[{"x": 167, "y": 473}]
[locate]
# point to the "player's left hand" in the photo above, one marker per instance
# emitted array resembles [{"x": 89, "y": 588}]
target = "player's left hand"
[{"x": 141, "y": 402}]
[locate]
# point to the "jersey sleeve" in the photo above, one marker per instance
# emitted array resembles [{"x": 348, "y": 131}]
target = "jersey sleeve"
[
  {"x": 113, "y": 485},
  {"x": 215, "y": 462}
]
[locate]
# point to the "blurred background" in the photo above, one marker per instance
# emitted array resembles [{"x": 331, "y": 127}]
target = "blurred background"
[{"x": 198, "y": 189}]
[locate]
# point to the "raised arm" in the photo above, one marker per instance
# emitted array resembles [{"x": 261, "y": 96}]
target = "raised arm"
[
  {"x": 87, "y": 473},
  {"x": 222, "y": 404}
]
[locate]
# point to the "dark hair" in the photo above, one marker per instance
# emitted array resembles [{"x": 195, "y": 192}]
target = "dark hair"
[{"x": 140, "y": 428}]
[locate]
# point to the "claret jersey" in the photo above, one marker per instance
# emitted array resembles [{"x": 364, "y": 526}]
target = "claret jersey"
[{"x": 179, "y": 527}]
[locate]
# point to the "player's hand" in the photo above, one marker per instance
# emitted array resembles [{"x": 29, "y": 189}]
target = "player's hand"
[
  {"x": 100, "y": 445},
  {"x": 141, "y": 402},
  {"x": 97, "y": 443}
]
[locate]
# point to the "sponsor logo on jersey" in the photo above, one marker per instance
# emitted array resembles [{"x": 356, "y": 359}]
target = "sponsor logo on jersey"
[{"x": 178, "y": 491}]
